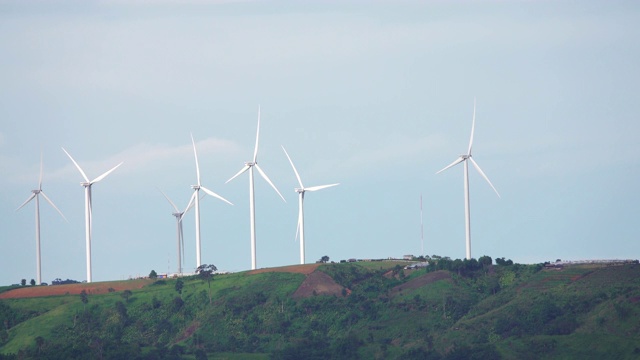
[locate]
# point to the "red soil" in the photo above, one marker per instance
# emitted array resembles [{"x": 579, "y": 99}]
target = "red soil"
[
  {"x": 297, "y": 269},
  {"x": 74, "y": 289},
  {"x": 426, "y": 279},
  {"x": 318, "y": 283}
]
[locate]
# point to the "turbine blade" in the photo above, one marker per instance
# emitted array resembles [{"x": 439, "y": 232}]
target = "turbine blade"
[
  {"x": 78, "y": 166},
  {"x": 473, "y": 126},
  {"x": 483, "y": 175},
  {"x": 40, "y": 181},
  {"x": 458, "y": 161},
  {"x": 90, "y": 210},
  {"x": 52, "y": 204},
  {"x": 299, "y": 221},
  {"x": 170, "y": 202},
  {"x": 269, "y": 181},
  {"x": 190, "y": 205},
  {"x": 294, "y": 168},
  {"x": 196, "y": 155},
  {"x": 245, "y": 168},
  {"x": 105, "y": 174},
  {"x": 255, "y": 151},
  {"x": 320, "y": 187},
  {"x": 215, "y": 195},
  {"x": 26, "y": 202}
]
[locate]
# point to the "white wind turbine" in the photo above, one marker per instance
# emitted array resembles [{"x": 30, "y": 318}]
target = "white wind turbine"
[
  {"x": 179, "y": 215},
  {"x": 301, "y": 190},
  {"x": 464, "y": 158},
  {"x": 88, "y": 216},
  {"x": 252, "y": 214},
  {"x": 35, "y": 195},
  {"x": 195, "y": 197}
]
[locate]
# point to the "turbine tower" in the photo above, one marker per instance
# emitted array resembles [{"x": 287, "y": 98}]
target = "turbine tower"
[
  {"x": 196, "y": 197},
  {"x": 36, "y": 195},
  {"x": 88, "y": 216},
  {"x": 252, "y": 214},
  {"x": 301, "y": 190},
  {"x": 179, "y": 215},
  {"x": 464, "y": 158}
]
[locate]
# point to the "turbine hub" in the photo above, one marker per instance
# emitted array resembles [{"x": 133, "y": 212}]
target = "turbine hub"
[{"x": 36, "y": 191}]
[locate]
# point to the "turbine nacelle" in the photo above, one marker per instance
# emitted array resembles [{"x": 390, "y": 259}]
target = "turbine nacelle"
[
  {"x": 299, "y": 190},
  {"x": 195, "y": 187},
  {"x": 250, "y": 163},
  {"x": 85, "y": 184}
]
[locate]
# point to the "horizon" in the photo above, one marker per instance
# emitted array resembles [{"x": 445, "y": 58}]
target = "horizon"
[{"x": 376, "y": 97}]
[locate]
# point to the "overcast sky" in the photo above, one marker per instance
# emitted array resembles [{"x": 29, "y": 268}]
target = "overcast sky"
[{"x": 376, "y": 96}]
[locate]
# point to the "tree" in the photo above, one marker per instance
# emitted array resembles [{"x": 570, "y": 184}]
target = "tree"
[
  {"x": 324, "y": 259},
  {"x": 205, "y": 272},
  {"x": 126, "y": 295},
  {"x": 33, "y": 282},
  {"x": 153, "y": 274},
  {"x": 84, "y": 297},
  {"x": 179, "y": 286},
  {"x": 23, "y": 282}
]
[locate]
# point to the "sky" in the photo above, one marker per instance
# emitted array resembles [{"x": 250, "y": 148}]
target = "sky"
[{"x": 377, "y": 96}]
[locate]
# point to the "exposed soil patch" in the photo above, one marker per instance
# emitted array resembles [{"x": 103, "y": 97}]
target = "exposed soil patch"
[
  {"x": 74, "y": 289},
  {"x": 426, "y": 279},
  {"x": 318, "y": 283},
  {"x": 297, "y": 269},
  {"x": 188, "y": 332}
]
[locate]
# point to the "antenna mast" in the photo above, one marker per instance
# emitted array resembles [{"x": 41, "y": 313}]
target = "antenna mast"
[{"x": 421, "y": 227}]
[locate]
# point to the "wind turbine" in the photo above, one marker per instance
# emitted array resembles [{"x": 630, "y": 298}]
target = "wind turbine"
[
  {"x": 301, "y": 190},
  {"x": 196, "y": 197},
  {"x": 252, "y": 214},
  {"x": 179, "y": 215},
  {"x": 464, "y": 158},
  {"x": 35, "y": 195},
  {"x": 88, "y": 216}
]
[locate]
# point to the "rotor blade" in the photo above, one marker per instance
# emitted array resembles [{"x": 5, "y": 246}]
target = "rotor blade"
[
  {"x": 90, "y": 210},
  {"x": 473, "y": 126},
  {"x": 196, "y": 155},
  {"x": 320, "y": 187},
  {"x": 105, "y": 174},
  {"x": 181, "y": 243},
  {"x": 54, "y": 206},
  {"x": 191, "y": 203},
  {"x": 299, "y": 221},
  {"x": 170, "y": 202},
  {"x": 40, "y": 181},
  {"x": 294, "y": 168},
  {"x": 26, "y": 202},
  {"x": 245, "y": 168},
  {"x": 458, "y": 161},
  {"x": 269, "y": 181},
  {"x": 255, "y": 151},
  {"x": 483, "y": 175},
  {"x": 78, "y": 166},
  {"x": 215, "y": 195}
]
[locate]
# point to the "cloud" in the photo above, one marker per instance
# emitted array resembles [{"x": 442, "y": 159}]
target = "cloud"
[{"x": 145, "y": 158}]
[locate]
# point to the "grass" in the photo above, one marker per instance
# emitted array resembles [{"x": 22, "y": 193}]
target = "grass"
[{"x": 255, "y": 314}]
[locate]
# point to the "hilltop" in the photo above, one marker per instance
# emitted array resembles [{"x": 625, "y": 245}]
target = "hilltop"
[{"x": 450, "y": 309}]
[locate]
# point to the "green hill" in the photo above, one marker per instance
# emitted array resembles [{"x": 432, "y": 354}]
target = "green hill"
[{"x": 452, "y": 309}]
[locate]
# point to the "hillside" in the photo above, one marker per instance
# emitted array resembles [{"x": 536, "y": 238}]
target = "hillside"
[{"x": 452, "y": 309}]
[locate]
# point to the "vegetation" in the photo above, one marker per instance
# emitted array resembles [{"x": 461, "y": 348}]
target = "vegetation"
[{"x": 449, "y": 309}]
